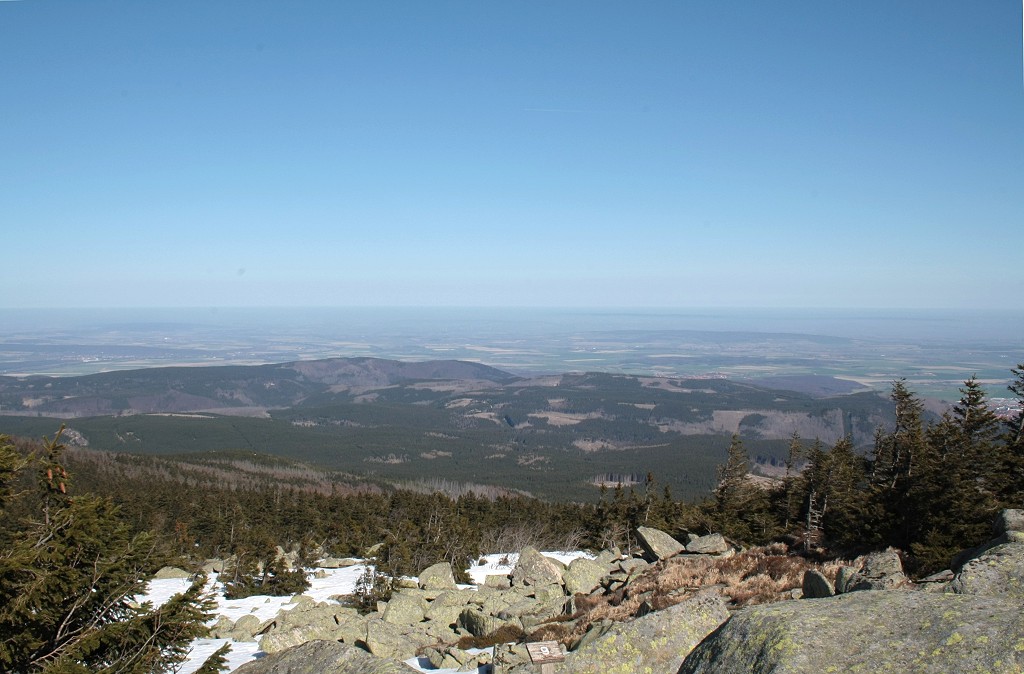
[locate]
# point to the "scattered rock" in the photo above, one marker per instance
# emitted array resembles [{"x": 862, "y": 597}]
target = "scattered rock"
[
  {"x": 816, "y": 585},
  {"x": 499, "y": 582},
  {"x": 1008, "y": 520},
  {"x": 438, "y": 577},
  {"x": 880, "y": 571},
  {"x": 657, "y": 544},
  {"x": 712, "y": 544},
  {"x": 169, "y": 572},
  {"x": 321, "y": 657},
  {"x": 583, "y": 575},
  {"x": 245, "y": 628},
  {"x": 533, "y": 568}
]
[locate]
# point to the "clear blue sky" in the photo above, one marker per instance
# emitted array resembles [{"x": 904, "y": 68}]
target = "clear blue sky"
[{"x": 590, "y": 153}]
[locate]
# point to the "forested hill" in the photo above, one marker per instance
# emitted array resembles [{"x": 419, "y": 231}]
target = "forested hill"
[
  {"x": 228, "y": 388},
  {"x": 556, "y": 436}
]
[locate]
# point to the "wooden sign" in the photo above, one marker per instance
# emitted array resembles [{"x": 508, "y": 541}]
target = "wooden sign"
[{"x": 545, "y": 652}]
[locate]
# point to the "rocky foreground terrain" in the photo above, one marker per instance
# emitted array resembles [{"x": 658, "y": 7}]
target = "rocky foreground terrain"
[{"x": 676, "y": 608}]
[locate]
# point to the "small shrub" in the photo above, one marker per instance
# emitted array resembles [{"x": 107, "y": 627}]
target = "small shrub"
[{"x": 371, "y": 587}]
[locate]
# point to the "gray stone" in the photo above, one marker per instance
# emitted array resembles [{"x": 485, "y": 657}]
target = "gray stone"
[
  {"x": 512, "y": 659},
  {"x": 583, "y": 575},
  {"x": 867, "y": 632},
  {"x": 437, "y": 577},
  {"x": 880, "y": 571},
  {"x": 245, "y": 628},
  {"x": 816, "y": 585},
  {"x": 341, "y": 628},
  {"x": 998, "y": 572},
  {"x": 657, "y": 544},
  {"x": 533, "y": 568},
  {"x": 496, "y": 581},
  {"x": 213, "y": 566},
  {"x": 531, "y": 612},
  {"x": 479, "y": 624},
  {"x": 169, "y": 572},
  {"x": 844, "y": 579},
  {"x": 632, "y": 565},
  {"x": 404, "y": 609},
  {"x": 337, "y": 563},
  {"x": 712, "y": 544},
  {"x": 387, "y": 640},
  {"x": 447, "y": 607},
  {"x": 656, "y": 642},
  {"x": 323, "y": 657},
  {"x": 1008, "y": 520},
  {"x": 307, "y": 622},
  {"x": 549, "y": 592},
  {"x": 222, "y": 628}
]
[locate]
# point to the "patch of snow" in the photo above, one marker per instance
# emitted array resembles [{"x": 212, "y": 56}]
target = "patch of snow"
[{"x": 334, "y": 582}]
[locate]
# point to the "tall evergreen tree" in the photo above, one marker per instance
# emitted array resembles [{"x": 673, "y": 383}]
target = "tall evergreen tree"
[
  {"x": 834, "y": 497},
  {"x": 68, "y": 577},
  {"x": 1009, "y": 486},
  {"x": 894, "y": 463}
]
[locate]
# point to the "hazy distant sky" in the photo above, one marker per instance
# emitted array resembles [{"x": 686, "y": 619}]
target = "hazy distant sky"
[{"x": 683, "y": 153}]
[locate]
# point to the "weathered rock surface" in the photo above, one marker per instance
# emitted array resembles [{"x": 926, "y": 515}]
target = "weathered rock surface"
[
  {"x": 438, "y": 577},
  {"x": 657, "y": 544},
  {"x": 657, "y": 642},
  {"x": 879, "y": 571},
  {"x": 169, "y": 572},
  {"x": 387, "y": 640},
  {"x": 533, "y": 568},
  {"x": 308, "y": 622},
  {"x": 816, "y": 585},
  {"x": 712, "y": 544},
  {"x": 997, "y": 572},
  {"x": 584, "y": 575},
  {"x": 323, "y": 657},
  {"x": 405, "y": 609},
  {"x": 868, "y": 632},
  {"x": 1009, "y": 520}
]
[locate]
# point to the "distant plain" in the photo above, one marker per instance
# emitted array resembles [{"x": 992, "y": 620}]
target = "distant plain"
[{"x": 935, "y": 351}]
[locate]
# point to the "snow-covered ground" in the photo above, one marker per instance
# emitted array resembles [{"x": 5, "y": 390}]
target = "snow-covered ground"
[{"x": 333, "y": 582}]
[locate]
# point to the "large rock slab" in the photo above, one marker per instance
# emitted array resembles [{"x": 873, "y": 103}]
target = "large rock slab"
[
  {"x": 533, "y": 568},
  {"x": 712, "y": 544},
  {"x": 997, "y": 572},
  {"x": 398, "y": 642},
  {"x": 169, "y": 572},
  {"x": 816, "y": 585},
  {"x": 657, "y": 642},
  {"x": 880, "y": 571},
  {"x": 1008, "y": 520},
  {"x": 868, "y": 632},
  {"x": 404, "y": 609},
  {"x": 437, "y": 577},
  {"x": 323, "y": 657},
  {"x": 584, "y": 575},
  {"x": 657, "y": 544},
  {"x": 308, "y": 622}
]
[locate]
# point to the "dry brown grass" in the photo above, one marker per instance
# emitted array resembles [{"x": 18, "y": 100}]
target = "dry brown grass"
[{"x": 756, "y": 576}]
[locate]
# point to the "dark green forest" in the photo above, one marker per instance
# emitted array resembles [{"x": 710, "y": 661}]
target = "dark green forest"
[{"x": 929, "y": 488}]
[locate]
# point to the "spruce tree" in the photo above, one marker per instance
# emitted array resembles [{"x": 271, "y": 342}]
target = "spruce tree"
[
  {"x": 68, "y": 576},
  {"x": 1009, "y": 485}
]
